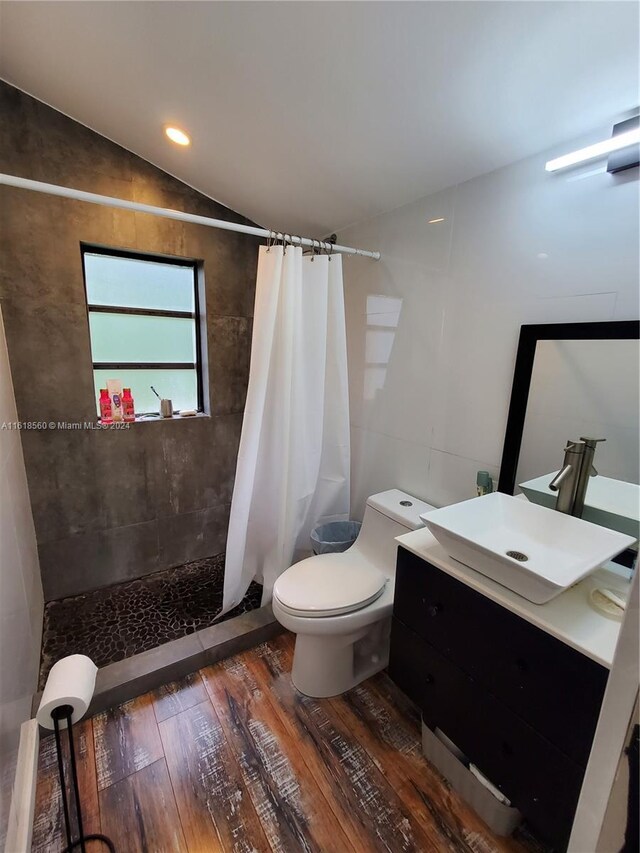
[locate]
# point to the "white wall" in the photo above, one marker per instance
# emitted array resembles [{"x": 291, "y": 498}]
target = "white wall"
[
  {"x": 21, "y": 600},
  {"x": 433, "y": 326},
  {"x": 615, "y": 820}
]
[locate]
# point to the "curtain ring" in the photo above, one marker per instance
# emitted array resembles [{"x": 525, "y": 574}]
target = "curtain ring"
[{"x": 270, "y": 240}]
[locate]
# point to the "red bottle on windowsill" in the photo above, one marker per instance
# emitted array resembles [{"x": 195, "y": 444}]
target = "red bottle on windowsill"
[
  {"x": 128, "y": 411},
  {"x": 106, "y": 412}
]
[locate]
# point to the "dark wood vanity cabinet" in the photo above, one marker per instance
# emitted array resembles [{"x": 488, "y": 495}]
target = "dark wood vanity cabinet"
[{"x": 522, "y": 705}]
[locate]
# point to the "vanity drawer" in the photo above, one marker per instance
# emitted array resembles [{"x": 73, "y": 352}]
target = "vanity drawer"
[
  {"x": 550, "y": 685},
  {"x": 542, "y": 782}
]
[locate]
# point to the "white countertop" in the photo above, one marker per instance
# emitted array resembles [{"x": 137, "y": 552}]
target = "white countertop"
[{"x": 569, "y": 617}]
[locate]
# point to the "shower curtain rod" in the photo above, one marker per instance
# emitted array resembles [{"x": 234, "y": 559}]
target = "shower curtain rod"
[{"x": 109, "y": 201}]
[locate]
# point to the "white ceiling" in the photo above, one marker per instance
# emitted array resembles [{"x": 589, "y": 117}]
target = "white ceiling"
[{"x": 309, "y": 116}]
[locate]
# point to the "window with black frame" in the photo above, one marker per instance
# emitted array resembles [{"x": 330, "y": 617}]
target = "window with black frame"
[{"x": 144, "y": 326}]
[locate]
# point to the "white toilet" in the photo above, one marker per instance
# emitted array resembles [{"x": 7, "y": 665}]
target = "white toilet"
[{"x": 339, "y": 605}]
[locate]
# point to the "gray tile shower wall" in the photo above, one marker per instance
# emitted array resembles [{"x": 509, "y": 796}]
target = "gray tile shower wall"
[{"x": 113, "y": 506}]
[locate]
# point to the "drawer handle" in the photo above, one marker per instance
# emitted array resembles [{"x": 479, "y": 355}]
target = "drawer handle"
[
  {"x": 434, "y": 609},
  {"x": 429, "y": 679},
  {"x": 522, "y": 665}
]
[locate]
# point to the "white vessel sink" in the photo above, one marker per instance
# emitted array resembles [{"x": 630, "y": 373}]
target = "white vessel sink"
[
  {"x": 534, "y": 551},
  {"x": 610, "y": 503}
]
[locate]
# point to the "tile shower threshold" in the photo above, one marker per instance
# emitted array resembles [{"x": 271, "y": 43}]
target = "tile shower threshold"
[
  {"x": 117, "y": 682},
  {"x": 119, "y": 621}
]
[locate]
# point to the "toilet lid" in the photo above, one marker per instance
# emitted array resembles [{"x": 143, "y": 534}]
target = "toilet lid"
[{"x": 328, "y": 585}]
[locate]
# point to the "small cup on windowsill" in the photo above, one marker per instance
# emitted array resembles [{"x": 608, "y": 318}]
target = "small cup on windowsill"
[{"x": 166, "y": 409}]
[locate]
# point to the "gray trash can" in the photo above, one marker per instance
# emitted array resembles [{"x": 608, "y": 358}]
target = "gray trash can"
[{"x": 334, "y": 537}]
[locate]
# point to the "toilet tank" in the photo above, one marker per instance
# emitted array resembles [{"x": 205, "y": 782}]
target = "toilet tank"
[{"x": 387, "y": 515}]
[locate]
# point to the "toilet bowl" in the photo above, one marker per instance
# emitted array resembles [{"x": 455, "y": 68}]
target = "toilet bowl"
[{"x": 339, "y": 605}]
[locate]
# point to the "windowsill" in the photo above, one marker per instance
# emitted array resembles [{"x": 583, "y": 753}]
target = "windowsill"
[{"x": 154, "y": 419}]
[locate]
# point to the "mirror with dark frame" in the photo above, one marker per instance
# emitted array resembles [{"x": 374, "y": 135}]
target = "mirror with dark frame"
[{"x": 573, "y": 432}]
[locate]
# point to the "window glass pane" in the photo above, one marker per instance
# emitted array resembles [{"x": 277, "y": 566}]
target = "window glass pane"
[
  {"x": 138, "y": 284},
  {"x": 179, "y": 386},
  {"x": 138, "y": 338}
]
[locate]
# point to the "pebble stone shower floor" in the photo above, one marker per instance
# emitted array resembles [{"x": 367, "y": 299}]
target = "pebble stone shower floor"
[{"x": 119, "y": 621}]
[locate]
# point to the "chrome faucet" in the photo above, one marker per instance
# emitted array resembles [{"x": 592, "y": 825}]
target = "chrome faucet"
[
  {"x": 586, "y": 470},
  {"x": 573, "y": 478},
  {"x": 566, "y": 480}
]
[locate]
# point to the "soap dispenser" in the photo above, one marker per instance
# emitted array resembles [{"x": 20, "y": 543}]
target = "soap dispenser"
[{"x": 484, "y": 483}]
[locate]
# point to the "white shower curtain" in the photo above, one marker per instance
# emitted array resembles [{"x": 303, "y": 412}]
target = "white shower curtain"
[{"x": 293, "y": 462}]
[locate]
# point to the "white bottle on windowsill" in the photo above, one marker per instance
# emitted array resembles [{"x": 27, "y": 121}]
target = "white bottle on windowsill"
[{"x": 114, "y": 387}]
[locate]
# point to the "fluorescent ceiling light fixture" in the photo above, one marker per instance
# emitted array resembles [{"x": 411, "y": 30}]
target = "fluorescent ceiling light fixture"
[
  {"x": 178, "y": 136},
  {"x": 433, "y": 221},
  {"x": 622, "y": 140}
]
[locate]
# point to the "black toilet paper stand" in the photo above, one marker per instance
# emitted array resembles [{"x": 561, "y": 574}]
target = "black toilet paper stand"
[{"x": 64, "y": 712}]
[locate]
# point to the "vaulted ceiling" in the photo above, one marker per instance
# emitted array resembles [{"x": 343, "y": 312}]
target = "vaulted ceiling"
[{"x": 309, "y": 116}]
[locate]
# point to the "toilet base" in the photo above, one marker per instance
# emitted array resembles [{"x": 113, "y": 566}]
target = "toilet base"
[{"x": 326, "y": 666}]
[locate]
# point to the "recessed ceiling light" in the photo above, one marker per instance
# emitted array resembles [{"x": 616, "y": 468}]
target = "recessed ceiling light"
[
  {"x": 432, "y": 221},
  {"x": 178, "y": 136}
]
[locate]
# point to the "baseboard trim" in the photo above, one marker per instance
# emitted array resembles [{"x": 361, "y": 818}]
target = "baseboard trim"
[{"x": 24, "y": 790}]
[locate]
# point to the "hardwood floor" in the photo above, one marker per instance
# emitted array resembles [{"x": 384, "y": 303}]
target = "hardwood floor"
[{"x": 232, "y": 758}]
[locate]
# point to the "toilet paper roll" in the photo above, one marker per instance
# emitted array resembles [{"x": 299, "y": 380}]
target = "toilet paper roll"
[{"x": 70, "y": 682}]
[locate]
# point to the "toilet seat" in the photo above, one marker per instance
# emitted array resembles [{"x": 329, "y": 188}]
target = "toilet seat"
[{"x": 328, "y": 586}]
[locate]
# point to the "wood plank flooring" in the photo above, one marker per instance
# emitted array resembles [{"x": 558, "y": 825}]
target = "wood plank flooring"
[{"x": 233, "y": 759}]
